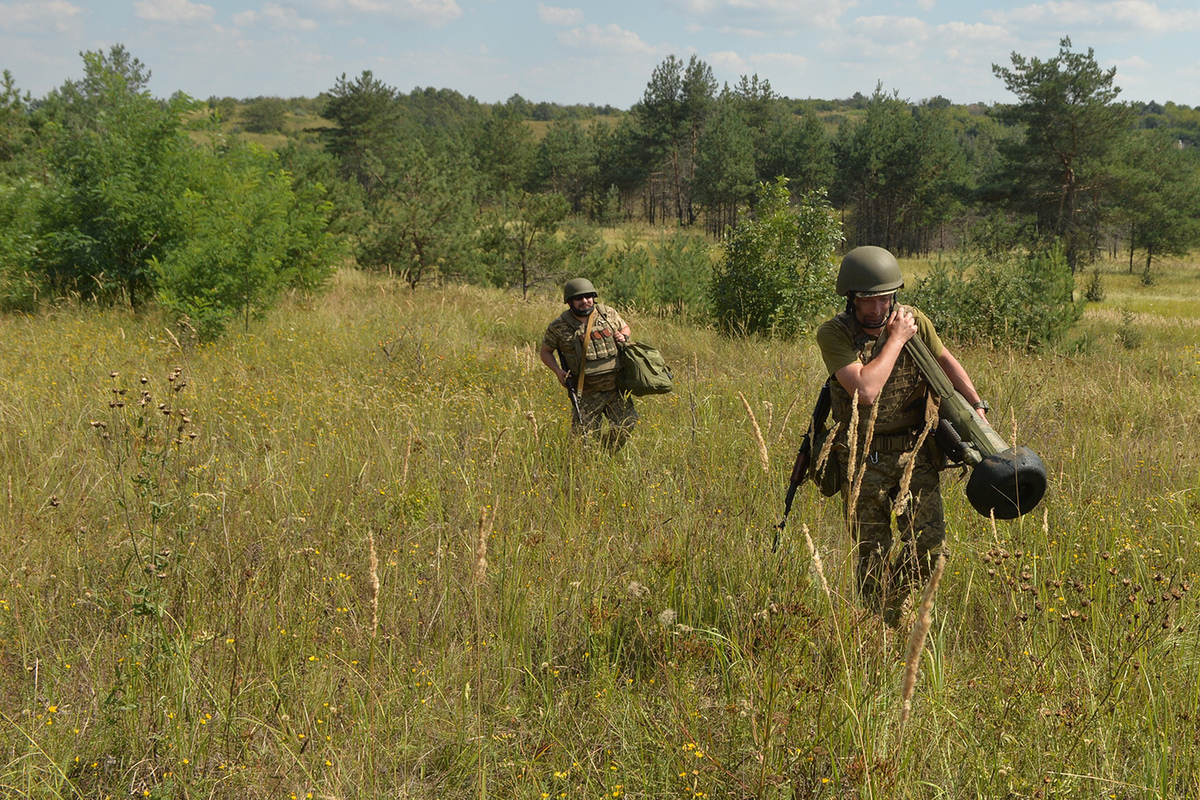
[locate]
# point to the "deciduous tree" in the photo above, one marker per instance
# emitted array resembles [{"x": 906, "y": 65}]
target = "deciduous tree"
[
  {"x": 118, "y": 159},
  {"x": 777, "y": 273}
]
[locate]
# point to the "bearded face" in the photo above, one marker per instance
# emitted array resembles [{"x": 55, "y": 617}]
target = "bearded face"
[{"x": 583, "y": 306}]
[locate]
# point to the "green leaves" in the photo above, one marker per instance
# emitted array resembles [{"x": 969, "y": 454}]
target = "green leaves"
[
  {"x": 777, "y": 273},
  {"x": 247, "y": 237},
  {"x": 422, "y": 214},
  {"x": 520, "y": 243},
  {"x": 116, "y": 156},
  {"x": 1067, "y": 107},
  {"x": 1021, "y": 300}
]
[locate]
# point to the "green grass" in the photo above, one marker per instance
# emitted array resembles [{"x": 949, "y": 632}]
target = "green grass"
[{"x": 196, "y": 616}]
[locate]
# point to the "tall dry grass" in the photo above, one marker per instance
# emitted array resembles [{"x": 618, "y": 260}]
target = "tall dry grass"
[{"x": 201, "y": 615}]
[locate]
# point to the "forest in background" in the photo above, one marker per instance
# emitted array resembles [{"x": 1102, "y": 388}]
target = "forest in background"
[{"x": 213, "y": 209}]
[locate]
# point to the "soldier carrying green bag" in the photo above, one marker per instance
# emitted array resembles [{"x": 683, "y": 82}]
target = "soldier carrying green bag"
[{"x": 585, "y": 338}]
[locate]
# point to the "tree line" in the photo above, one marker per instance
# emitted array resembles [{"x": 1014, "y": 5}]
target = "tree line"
[{"x": 110, "y": 193}]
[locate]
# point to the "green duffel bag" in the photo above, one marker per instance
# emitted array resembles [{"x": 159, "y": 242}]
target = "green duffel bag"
[{"x": 643, "y": 370}]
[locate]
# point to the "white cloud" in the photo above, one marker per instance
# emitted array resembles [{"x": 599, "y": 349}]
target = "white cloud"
[
  {"x": 275, "y": 16},
  {"x": 728, "y": 60},
  {"x": 1133, "y": 62},
  {"x": 560, "y": 16},
  {"x": 172, "y": 11},
  {"x": 610, "y": 38},
  {"x": 431, "y": 12},
  {"x": 801, "y": 14},
  {"x": 33, "y": 16},
  {"x": 893, "y": 29},
  {"x": 1121, "y": 14},
  {"x": 732, "y": 62},
  {"x": 972, "y": 31},
  {"x": 749, "y": 33}
]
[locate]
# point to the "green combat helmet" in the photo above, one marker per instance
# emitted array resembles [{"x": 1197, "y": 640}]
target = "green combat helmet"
[
  {"x": 868, "y": 271},
  {"x": 577, "y": 287}
]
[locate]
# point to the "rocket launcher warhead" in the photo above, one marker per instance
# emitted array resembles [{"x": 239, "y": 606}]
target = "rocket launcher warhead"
[{"x": 1005, "y": 481}]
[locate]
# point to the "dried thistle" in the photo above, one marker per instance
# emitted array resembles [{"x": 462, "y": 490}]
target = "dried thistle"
[
  {"x": 529, "y": 415},
  {"x": 758, "y": 437},
  {"x": 916, "y": 639}
]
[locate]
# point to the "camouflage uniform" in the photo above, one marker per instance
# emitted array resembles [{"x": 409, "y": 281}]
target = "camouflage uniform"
[
  {"x": 600, "y": 398},
  {"x": 899, "y": 420}
]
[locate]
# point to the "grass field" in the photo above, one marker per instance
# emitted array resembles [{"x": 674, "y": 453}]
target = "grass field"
[{"x": 352, "y": 552}]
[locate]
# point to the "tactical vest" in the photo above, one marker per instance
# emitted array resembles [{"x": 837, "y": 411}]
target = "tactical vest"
[
  {"x": 601, "y": 347},
  {"x": 901, "y": 403}
]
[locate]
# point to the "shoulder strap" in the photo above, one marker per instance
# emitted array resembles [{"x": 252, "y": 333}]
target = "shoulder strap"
[{"x": 587, "y": 336}]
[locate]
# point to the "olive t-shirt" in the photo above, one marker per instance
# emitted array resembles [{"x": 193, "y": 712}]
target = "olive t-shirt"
[{"x": 837, "y": 348}]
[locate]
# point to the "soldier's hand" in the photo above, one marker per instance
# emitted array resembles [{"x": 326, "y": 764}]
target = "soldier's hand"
[
  {"x": 902, "y": 326},
  {"x": 563, "y": 377}
]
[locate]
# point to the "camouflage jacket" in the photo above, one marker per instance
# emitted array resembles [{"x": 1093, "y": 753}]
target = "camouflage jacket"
[{"x": 565, "y": 335}]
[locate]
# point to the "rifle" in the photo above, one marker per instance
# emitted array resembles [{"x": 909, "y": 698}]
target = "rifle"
[
  {"x": 571, "y": 391},
  {"x": 803, "y": 458}
]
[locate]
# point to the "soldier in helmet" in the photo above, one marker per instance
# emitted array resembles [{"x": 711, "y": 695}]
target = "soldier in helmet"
[
  {"x": 585, "y": 337},
  {"x": 863, "y": 351}
]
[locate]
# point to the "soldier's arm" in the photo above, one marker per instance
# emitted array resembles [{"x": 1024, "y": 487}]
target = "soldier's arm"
[
  {"x": 961, "y": 380},
  {"x": 868, "y": 379},
  {"x": 547, "y": 356}
]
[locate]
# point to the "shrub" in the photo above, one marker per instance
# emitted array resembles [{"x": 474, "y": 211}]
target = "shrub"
[
  {"x": 1127, "y": 334},
  {"x": 778, "y": 270},
  {"x": 18, "y": 244},
  {"x": 249, "y": 236},
  {"x": 1019, "y": 299},
  {"x": 670, "y": 276}
]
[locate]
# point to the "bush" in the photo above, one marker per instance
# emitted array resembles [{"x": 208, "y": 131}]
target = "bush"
[
  {"x": 778, "y": 270},
  {"x": 1019, "y": 299},
  {"x": 264, "y": 115},
  {"x": 249, "y": 237},
  {"x": 18, "y": 244},
  {"x": 1127, "y": 334}
]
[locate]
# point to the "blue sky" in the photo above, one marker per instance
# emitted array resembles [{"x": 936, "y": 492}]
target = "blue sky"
[{"x": 600, "y": 52}]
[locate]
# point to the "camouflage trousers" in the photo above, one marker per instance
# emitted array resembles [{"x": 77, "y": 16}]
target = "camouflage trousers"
[
  {"x": 885, "y": 580},
  {"x": 615, "y": 406}
]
